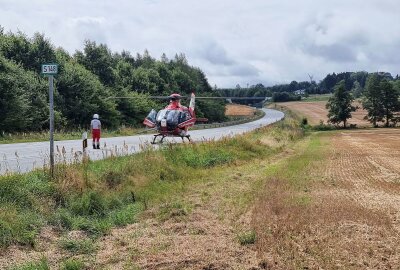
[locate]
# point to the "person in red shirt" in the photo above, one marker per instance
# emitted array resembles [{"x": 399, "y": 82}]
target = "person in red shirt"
[
  {"x": 175, "y": 103},
  {"x": 95, "y": 128}
]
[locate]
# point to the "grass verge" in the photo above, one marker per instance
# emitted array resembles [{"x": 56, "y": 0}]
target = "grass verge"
[{"x": 97, "y": 196}]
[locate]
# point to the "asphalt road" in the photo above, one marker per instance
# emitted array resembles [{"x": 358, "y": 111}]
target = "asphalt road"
[{"x": 25, "y": 157}]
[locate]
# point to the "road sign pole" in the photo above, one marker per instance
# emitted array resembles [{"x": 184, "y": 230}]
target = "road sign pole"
[
  {"x": 50, "y": 70},
  {"x": 51, "y": 100}
]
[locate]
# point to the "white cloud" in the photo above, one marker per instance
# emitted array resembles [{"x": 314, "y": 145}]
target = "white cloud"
[{"x": 231, "y": 41}]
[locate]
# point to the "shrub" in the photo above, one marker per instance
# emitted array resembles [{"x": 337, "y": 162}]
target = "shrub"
[{"x": 304, "y": 121}]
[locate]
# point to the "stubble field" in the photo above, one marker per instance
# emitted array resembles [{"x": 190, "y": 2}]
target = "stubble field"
[
  {"x": 341, "y": 211},
  {"x": 315, "y": 111},
  {"x": 239, "y": 110}
]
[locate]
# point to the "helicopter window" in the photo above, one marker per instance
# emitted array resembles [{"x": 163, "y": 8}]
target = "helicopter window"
[
  {"x": 172, "y": 117},
  {"x": 161, "y": 115}
]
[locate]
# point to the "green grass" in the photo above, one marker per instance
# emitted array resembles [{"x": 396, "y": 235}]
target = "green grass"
[
  {"x": 247, "y": 238},
  {"x": 75, "y": 246},
  {"x": 39, "y": 265},
  {"x": 73, "y": 264},
  {"x": 100, "y": 195},
  {"x": 313, "y": 98}
]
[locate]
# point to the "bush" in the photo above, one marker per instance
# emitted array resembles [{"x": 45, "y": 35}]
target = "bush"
[{"x": 304, "y": 121}]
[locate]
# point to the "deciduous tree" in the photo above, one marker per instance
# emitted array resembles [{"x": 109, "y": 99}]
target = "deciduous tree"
[{"x": 340, "y": 105}]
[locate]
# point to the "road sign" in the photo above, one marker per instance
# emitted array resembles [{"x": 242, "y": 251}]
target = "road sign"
[{"x": 49, "y": 69}]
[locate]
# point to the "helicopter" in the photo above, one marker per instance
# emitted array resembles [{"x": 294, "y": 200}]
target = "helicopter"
[{"x": 174, "y": 120}]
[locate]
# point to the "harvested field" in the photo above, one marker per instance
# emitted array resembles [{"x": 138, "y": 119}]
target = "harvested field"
[
  {"x": 316, "y": 111},
  {"x": 342, "y": 212},
  {"x": 239, "y": 110}
]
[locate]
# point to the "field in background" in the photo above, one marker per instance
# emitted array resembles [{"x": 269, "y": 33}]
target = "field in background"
[
  {"x": 312, "y": 98},
  {"x": 239, "y": 110},
  {"x": 315, "y": 111}
]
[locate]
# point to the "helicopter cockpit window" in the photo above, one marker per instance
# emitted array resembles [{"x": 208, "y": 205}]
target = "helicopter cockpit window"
[
  {"x": 161, "y": 115},
  {"x": 172, "y": 117}
]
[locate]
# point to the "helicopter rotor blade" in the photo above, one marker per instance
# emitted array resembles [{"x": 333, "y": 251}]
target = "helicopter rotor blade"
[{"x": 185, "y": 97}]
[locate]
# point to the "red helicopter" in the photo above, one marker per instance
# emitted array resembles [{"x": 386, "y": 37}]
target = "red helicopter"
[{"x": 174, "y": 120}]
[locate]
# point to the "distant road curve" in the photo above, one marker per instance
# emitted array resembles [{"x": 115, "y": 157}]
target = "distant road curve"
[{"x": 25, "y": 157}]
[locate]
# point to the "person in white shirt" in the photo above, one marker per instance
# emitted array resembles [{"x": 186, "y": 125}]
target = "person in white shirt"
[{"x": 95, "y": 128}]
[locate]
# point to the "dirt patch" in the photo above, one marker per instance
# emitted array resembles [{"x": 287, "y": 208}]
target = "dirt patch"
[
  {"x": 239, "y": 110},
  {"x": 346, "y": 218},
  {"x": 316, "y": 111}
]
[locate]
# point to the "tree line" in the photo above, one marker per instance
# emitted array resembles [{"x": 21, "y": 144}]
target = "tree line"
[
  {"x": 380, "y": 98},
  {"x": 88, "y": 82},
  {"x": 354, "y": 82}
]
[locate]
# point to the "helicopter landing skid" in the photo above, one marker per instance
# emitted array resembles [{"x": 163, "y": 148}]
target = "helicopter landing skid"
[{"x": 163, "y": 136}]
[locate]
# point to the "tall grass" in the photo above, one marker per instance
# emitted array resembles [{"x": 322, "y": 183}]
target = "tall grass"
[{"x": 98, "y": 195}]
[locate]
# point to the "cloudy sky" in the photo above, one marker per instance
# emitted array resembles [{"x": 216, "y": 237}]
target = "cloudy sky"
[{"x": 245, "y": 42}]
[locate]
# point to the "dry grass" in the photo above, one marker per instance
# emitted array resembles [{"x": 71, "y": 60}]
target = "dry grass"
[
  {"x": 315, "y": 112},
  {"x": 335, "y": 213},
  {"x": 239, "y": 110}
]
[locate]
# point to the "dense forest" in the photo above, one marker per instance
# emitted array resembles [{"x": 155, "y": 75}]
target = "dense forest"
[{"x": 87, "y": 82}]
